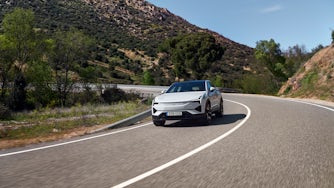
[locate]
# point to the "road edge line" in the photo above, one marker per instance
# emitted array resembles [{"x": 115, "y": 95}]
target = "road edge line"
[
  {"x": 187, "y": 155},
  {"x": 73, "y": 141},
  {"x": 310, "y": 103}
]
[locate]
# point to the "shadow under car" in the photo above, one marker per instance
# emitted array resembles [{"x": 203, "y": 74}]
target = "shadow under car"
[{"x": 225, "y": 120}]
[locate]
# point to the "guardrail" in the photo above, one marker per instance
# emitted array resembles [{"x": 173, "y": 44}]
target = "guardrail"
[
  {"x": 229, "y": 90},
  {"x": 125, "y": 122}
]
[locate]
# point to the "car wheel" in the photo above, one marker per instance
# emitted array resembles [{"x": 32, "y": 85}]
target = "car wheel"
[
  {"x": 220, "y": 112},
  {"x": 208, "y": 113},
  {"x": 159, "y": 122}
]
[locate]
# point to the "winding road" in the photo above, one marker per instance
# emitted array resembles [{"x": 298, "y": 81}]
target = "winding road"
[{"x": 260, "y": 142}]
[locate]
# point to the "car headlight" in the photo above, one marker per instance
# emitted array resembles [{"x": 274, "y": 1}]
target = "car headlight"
[{"x": 153, "y": 102}]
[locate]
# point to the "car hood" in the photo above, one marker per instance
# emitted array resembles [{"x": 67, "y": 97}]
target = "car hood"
[{"x": 180, "y": 96}]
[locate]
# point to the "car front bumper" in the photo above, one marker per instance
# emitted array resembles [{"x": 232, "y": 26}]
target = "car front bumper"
[
  {"x": 185, "y": 116},
  {"x": 177, "y": 110}
]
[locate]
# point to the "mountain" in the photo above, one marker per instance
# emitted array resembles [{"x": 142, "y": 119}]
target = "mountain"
[
  {"x": 315, "y": 79},
  {"x": 128, "y": 33}
]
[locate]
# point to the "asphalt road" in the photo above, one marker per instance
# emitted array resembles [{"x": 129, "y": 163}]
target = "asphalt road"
[{"x": 260, "y": 142}]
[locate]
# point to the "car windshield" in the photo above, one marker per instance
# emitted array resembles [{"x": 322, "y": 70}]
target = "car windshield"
[{"x": 187, "y": 87}]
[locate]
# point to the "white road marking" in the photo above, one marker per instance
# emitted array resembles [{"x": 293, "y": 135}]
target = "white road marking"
[
  {"x": 74, "y": 141},
  {"x": 293, "y": 100},
  {"x": 313, "y": 104},
  {"x": 187, "y": 155}
]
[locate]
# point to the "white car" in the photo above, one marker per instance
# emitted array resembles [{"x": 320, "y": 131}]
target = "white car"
[{"x": 196, "y": 99}]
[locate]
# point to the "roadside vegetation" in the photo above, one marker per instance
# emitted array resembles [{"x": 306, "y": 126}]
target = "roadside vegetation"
[
  {"x": 46, "y": 91},
  {"x": 47, "y": 70},
  {"x": 59, "y": 123}
]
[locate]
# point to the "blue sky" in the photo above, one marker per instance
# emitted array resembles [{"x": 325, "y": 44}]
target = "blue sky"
[{"x": 288, "y": 22}]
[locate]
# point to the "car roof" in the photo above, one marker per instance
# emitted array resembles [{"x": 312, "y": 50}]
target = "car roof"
[{"x": 189, "y": 81}]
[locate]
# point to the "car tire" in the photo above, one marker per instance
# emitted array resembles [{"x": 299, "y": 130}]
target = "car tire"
[
  {"x": 220, "y": 112},
  {"x": 159, "y": 122},
  {"x": 208, "y": 113}
]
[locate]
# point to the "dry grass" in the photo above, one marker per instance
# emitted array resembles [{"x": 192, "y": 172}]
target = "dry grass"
[{"x": 54, "y": 124}]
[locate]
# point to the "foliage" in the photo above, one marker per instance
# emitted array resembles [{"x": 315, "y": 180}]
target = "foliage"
[
  {"x": 258, "y": 84},
  {"x": 17, "y": 100},
  {"x": 88, "y": 74},
  {"x": 147, "y": 78},
  {"x": 295, "y": 57},
  {"x": 5, "y": 113},
  {"x": 31, "y": 57},
  {"x": 218, "y": 81},
  {"x": 192, "y": 54},
  {"x": 269, "y": 53},
  {"x": 18, "y": 29},
  {"x": 282, "y": 65},
  {"x": 309, "y": 80},
  {"x": 38, "y": 75},
  {"x": 20, "y": 42},
  {"x": 112, "y": 95},
  {"x": 6, "y": 62},
  {"x": 84, "y": 97},
  {"x": 317, "y": 49},
  {"x": 70, "y": 50}
]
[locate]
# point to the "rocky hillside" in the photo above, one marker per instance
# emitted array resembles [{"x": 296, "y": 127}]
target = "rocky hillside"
[
  {"x": 315, "y": 79},
  {"x": 123, "y": 27}
]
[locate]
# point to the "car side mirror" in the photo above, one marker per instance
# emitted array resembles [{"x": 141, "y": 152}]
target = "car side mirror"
[
  {"x": 212, "y": 89},
  {"x": 163, "y": 91}
]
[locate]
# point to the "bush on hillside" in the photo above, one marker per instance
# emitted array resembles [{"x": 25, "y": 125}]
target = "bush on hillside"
[
  {"x": 5, "y": 113},
  {"x": 112, "y": 95}
]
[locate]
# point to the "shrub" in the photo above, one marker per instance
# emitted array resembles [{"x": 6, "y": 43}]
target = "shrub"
[
  {"x": 255, "y": 84},
  {"x": 112, "y": 95},
  {"x": 84, "y": 97},
  {"x": 310, "y": 79},
  {"x": 5, "y": 113}
]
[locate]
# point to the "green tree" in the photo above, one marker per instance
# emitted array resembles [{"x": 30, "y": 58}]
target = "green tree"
[
  {"x": 269, "y": 53},
  {"x": 88, "y": 75},
  {"x": 38, "y": 75},
  {"x": 317, "y": 49},
  {"x": 258, "y": 84},
  {"x": 6, "y": 63},
  {"x": 23, "y": 47},
  {"x": 148, "y": 78},
  {"x": 70, "y": 50},
  {"x": 192, "y": 54},
  {"x": 218, "y": 82},
  {"x": 295, "y": 56},
  {"x": 332, "y": 36},
  {"x": 18, "y": 28}
]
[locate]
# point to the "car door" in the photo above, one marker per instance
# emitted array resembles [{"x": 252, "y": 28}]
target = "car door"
[{"x": 214, "y": 98}]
